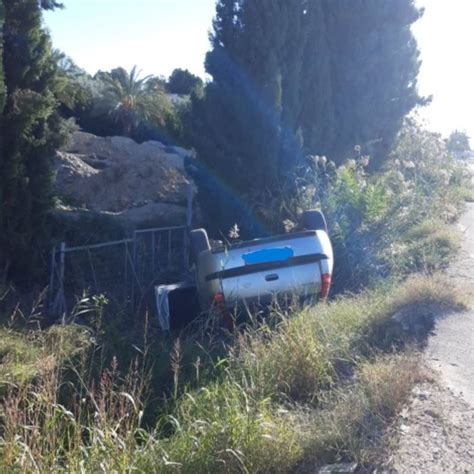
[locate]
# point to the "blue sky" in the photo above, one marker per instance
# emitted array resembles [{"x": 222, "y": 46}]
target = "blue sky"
[
  {"x": 157, "y": 35},
  {"x": 160, "y": 35}
]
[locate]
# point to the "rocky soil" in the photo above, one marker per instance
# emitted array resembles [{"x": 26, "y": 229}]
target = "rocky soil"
[
  {"x": 115, "y": 176},
  {"x": 435, "y": 433}
]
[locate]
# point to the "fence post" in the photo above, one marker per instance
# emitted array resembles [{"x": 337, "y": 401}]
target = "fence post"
[
  {"x": 153, "y": 268},
  {"x": 52, "y": 269},
  {"x": 62, "y": 262},
  {"x": 189, "y": 223},
  {"x": 134, "y": 269},
  {"x": 125, "y": 272},
  {"x": 189, "y": 209}
]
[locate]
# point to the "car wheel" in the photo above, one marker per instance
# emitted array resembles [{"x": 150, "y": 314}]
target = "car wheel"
[{"x": 314, "y": 220}]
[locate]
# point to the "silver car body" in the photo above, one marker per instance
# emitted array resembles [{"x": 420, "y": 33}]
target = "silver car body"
[{"x": 290, "y": 265}]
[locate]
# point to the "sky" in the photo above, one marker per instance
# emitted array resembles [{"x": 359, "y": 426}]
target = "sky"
[
  {"x": 156, "y": 35},
  {"x": 161, "y": 35},
  {"x": 445, "y": 37}
]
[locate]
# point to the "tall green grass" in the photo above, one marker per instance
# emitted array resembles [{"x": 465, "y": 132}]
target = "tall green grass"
[{"x": 264, "y": 406}]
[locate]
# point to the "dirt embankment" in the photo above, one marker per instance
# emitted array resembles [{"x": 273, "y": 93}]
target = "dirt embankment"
[
  {"x": 436, "y": 432},
  {"x": 451, "y": 348}
]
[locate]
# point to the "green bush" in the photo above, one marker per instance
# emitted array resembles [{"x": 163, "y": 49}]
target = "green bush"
[{"x": 373, "y": 219}]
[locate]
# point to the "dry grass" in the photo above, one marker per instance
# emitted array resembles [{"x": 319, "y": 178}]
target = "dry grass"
[
  {"x": 353, "y": 422},
  {"x": 466, "y": 192},
  {"x": 306, "y": 388},
  {"x": 429, "y": 245},
  {"x": 93, "y": 427},
  {"x": 434, "y": 290},
  {"x": 20, "y": 359},
  {"x": 304, "y": 354},
  {"x": 25, "y": 355}
]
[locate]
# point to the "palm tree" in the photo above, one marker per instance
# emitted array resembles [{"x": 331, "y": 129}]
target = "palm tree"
[{"x": 132, "y": 100}]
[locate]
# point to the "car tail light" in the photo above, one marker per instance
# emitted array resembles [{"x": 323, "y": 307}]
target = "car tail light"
[
  {"x": 218, "y": 299},
  {"x": 325, "y": 285},
  {"x": 218, "y": 302}
]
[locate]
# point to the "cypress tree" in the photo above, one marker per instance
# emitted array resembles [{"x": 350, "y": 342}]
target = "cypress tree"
[
  {"x": 316, "y": 117},
  {"x": 30, "y": 131},
  {"x": 374, "y": 63},
  {"x": 296, "y": 77},
  {"x": 293, "y": 32},
  {"x": 245, "y": 127},
  {"x": 2, "y": 76}
]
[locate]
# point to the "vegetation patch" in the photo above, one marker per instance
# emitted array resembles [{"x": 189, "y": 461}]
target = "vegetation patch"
[
  {"x": 25, "y": 356},
  {"x": 352, "y": 424},
  {"x": 261, "y": 404},
  {"x": 292, "y": 392},
  {"x": 19, "y": 359}
]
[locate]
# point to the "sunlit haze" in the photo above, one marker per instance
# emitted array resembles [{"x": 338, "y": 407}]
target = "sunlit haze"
[
  {"x": 446, "y": 36},
  {"x": 160, "y": 35}
]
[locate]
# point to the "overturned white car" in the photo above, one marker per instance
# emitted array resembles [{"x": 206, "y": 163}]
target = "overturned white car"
[{"x": 297, "y": 265}]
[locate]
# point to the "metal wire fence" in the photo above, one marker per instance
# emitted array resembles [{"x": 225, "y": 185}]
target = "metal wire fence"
[{"x": 124, "y": 270}]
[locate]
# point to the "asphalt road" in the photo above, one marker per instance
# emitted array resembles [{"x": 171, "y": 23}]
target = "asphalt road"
[{"x": 450, "y": 349}]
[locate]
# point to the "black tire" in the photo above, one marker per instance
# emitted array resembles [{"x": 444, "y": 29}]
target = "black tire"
[
  {"x": 199, "y": 243},
  {"x": 314, "y": 220}
]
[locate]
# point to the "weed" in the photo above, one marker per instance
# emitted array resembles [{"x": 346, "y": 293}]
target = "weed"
[
  {"x": 354, "y": 418},
  {"x": 224, "y": 428},
  {"x": 303, "y": 355},
  {"x": 282, "y": 393}
]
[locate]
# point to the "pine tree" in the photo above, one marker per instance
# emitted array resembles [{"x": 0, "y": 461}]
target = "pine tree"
[{"x": 30, "y": 131}]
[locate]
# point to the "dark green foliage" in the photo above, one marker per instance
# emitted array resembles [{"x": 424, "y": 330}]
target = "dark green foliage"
[
  {"x": 2, "y": 76},
  {"x": 317, "y": 115},
  {"x": 118, "y": 102},
  {"x": 375, "y": 63},
  {"x": 458, "y": 142},
  {"x": 137, "y": 105},
  {"x": 182, "y": 81},
  {"x": 297, "y": 77},
  {"x": 74, "y": 91},
  {"x": 50, "y": 4},
  {"x": 30, "y": 131},
  {"x": 245, "y": 128},
  {"x": 128, "y": 98},
  {"x": 86, "y": 229}
]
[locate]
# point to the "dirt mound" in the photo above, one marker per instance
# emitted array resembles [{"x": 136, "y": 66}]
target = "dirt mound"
[{"x": 116, "y": 176}]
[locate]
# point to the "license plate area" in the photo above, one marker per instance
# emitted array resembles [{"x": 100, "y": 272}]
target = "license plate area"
[{"x": 269, "y": 255}]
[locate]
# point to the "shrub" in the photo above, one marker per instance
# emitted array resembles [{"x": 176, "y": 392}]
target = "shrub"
[
  {"x": 373, "y": 218},
  {"x": 181, "y": 81}
]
